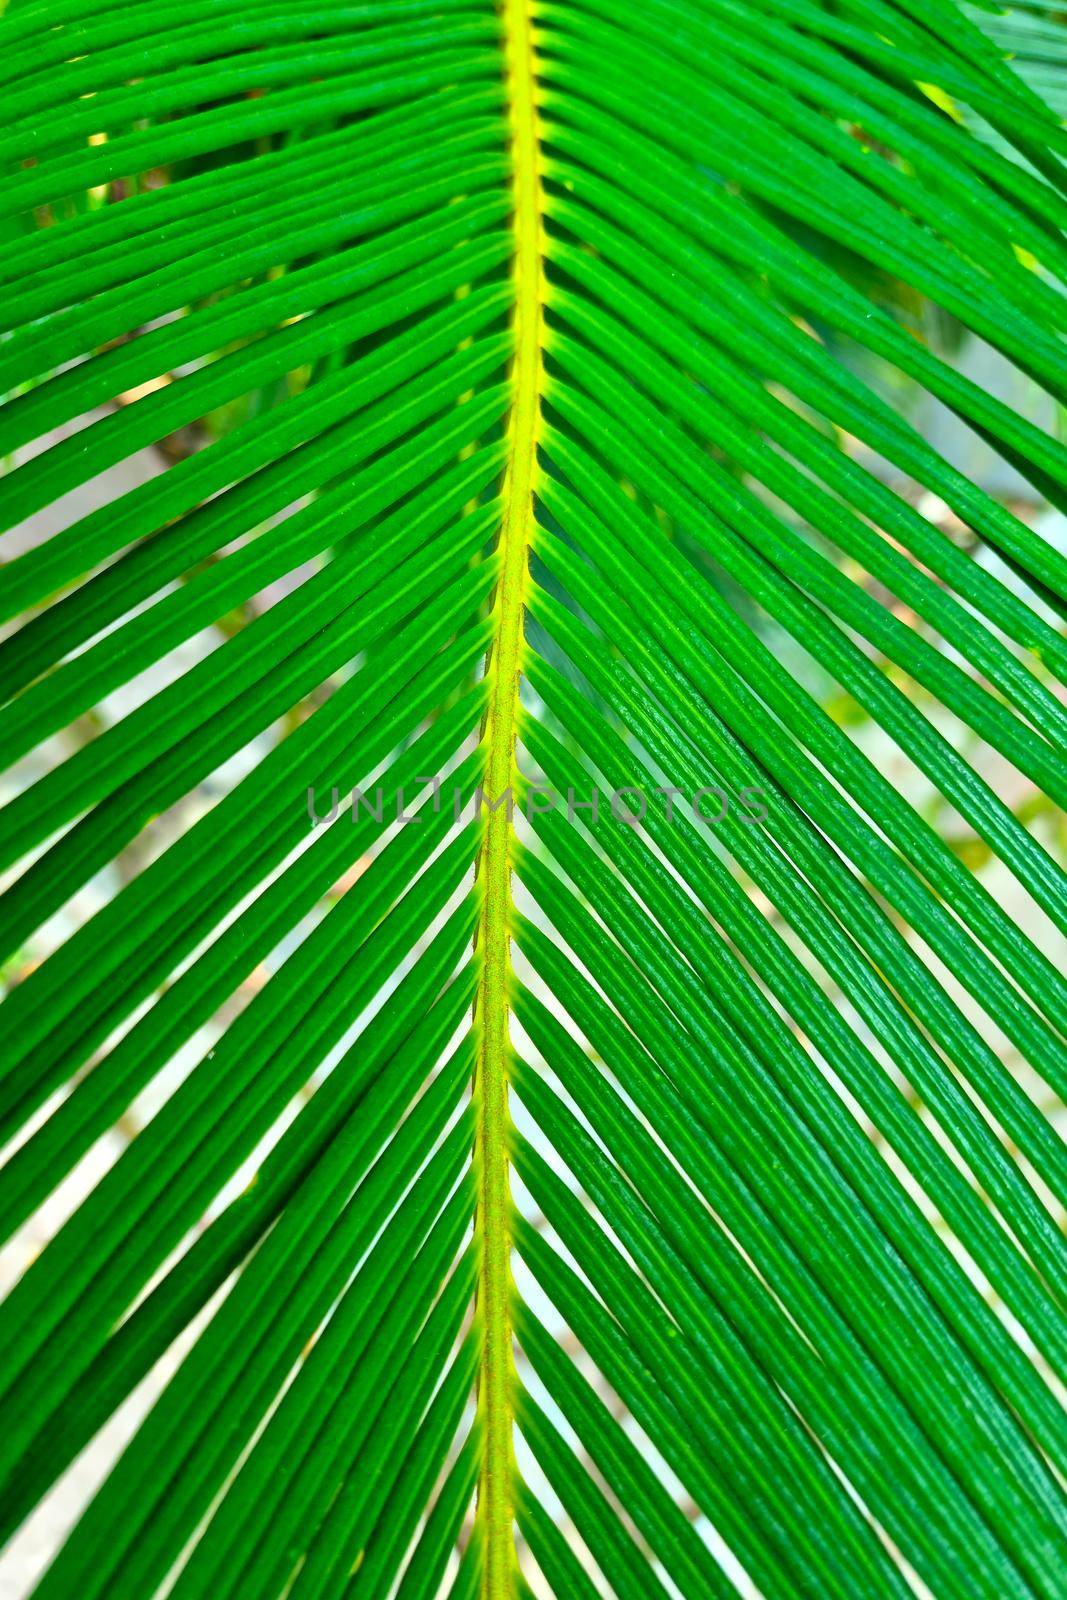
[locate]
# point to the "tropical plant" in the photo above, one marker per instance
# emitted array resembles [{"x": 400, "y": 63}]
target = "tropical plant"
[{"x": 663, "y": 1198}]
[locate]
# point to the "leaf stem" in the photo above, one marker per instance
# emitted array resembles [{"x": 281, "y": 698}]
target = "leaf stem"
[{"x": 494, "y": 934}]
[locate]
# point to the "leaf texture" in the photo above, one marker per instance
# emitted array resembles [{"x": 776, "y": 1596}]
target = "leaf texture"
[{"x": 596, "y": 1132}]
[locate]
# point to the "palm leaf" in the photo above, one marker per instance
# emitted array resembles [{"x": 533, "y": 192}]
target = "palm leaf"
[{"x": 506, "y": 818}]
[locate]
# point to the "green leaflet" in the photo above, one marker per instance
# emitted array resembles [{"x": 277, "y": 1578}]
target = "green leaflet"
[{"x": 556, "y": 1198}]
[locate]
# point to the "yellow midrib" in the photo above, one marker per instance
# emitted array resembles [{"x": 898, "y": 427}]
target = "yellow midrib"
[{"x": 494, "y": 934}]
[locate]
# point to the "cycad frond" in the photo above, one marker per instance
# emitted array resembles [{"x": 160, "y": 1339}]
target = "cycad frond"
[{"x": 602, "y": 1138}]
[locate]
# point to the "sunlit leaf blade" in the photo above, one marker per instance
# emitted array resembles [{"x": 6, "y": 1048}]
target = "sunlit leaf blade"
[{"x": 534, "y": 1040}]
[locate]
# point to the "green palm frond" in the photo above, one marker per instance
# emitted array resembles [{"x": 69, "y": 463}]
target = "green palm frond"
[{"x": 536, "y": 1011}]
